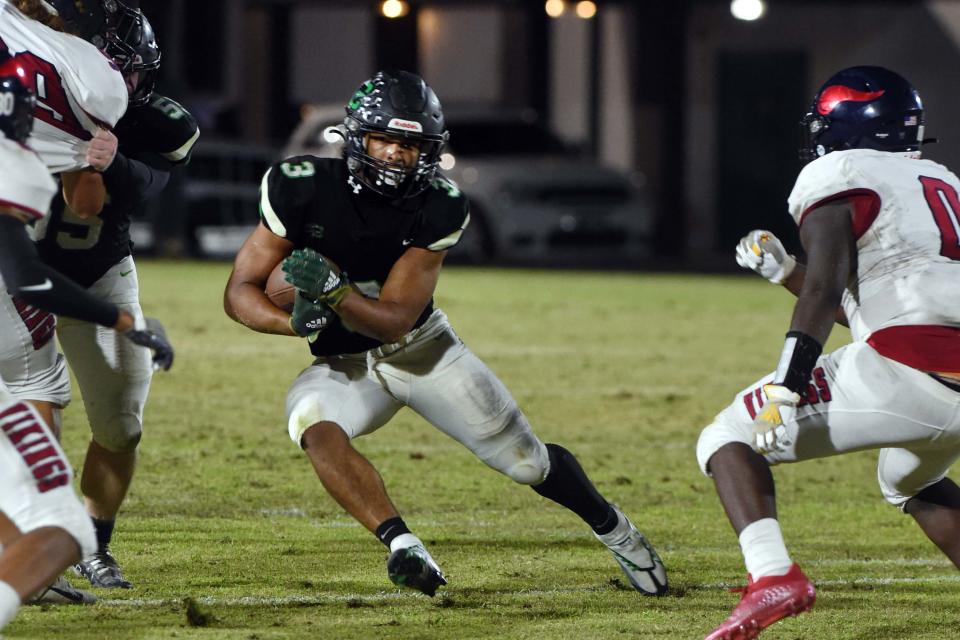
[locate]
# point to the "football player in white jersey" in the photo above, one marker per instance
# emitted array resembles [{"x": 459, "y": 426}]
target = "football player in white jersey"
[
  {"x": 881, "y": 229},
  {"x": 79, "y": 90},
  {"x": 43, "y": 526},
  {"x": 79, "y": 93}
]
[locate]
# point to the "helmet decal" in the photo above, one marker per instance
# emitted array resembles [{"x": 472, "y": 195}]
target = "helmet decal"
[
  {"x": 832, "y": 96},
  {"x": 395, "y": 104},
  {"x": 864, "y": 107},
  {"x": 358, "y": 95},
  {"x": 405, "y": 125}
]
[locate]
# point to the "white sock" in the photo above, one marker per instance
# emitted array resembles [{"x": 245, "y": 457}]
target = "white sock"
[
  {"x": 9, "y": 604},
  {"x": 404, "y": 541},
  {"x": 764, "y": 550}
]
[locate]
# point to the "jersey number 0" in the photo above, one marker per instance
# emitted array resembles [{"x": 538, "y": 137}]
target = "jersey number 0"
[{"x": 945, "y": 206}]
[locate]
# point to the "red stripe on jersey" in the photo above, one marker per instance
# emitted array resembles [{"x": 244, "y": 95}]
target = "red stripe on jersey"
[
  {"x": 41, "y": 324},
  {"x": 865, "y": 203},
  {"x": 923, "y": 346},
  {"x": 16, "y": 205},
  {"x": 45, "y": 463}
]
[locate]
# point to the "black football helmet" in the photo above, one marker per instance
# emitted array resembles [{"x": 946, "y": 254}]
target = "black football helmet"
[
  {"x": 399, "y": 104},
  {"x": 136, "y": 51},
  {"x": 97, "y": 22},
  {"x": 16, "y": 100},
  {"x": 89, "y": 19},
  {"x": 863, "y": 108}
]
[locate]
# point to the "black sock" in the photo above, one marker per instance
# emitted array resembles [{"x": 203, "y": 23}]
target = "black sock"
[
  {"x": 569, "y": 486},
  {"x": 104, "y": 531},
  {"x": 390, "y": 529}
]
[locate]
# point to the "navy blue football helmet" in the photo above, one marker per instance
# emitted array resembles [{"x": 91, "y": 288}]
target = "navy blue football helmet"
[
  {"x": 16, "y": 101},
  {"x": 398, "y": 104},
  {"x": 862, "y": 108}
]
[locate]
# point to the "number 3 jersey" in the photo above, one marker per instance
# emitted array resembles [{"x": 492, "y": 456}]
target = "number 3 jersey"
[
  {"x": 77, "y": 87},
  {"x": 906, "y": 222},
  {"x": 315, "y": 202}
]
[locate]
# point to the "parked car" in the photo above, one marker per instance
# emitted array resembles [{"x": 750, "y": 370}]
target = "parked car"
[{"x": 534, "y": 200}]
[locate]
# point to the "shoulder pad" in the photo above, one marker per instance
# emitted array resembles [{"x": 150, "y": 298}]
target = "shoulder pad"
[
  {"x": 823, "y": 178},
  {"x": 287, "y": 187},
  {"x": 446, "y": 185},
  {"x": 446, "y": 215},
  {"x": 93, "y": 80},
  {"x": 162, "y": 126}
]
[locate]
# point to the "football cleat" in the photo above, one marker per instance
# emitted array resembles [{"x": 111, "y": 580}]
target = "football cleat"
[
  {"x": 765, "y": 601},
  {"x": 640, "y": 563},
  {"x": 411, "y": 566},
  {"x": 62, "y": 592},
  {"x": 102, "y": 570}
]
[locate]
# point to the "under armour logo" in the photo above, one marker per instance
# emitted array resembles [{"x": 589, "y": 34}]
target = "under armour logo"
[
  {"x": 315, "y": 231},
  {"x": 356, "y": 186}
]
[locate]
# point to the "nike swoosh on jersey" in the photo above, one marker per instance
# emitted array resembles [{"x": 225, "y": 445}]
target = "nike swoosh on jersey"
[
  {"x": 406, "y": 242},
  {"x": 46, "y": 285},
  {"x": 124, "y": 274}
]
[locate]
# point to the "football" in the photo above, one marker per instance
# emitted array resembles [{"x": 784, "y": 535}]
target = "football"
[{"x": 279, "y": 290}]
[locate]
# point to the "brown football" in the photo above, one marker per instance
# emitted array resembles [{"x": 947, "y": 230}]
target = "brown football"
[{"x": 279, "y": 290}]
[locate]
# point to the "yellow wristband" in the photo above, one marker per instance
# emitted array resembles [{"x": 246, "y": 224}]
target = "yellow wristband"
[{"x": 335, "y": 297}]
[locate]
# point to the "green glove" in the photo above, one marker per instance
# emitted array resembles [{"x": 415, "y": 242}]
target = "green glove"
[
  {"x": 309, "y": 318},
  {"x": 311, "y": 274}
]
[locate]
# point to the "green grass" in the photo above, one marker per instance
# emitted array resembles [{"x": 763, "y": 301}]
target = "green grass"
[{"x": 623, "y": 369}]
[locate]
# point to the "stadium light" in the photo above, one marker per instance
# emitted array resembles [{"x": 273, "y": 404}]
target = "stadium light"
[
  {"x": 394, "y": 8},
  {"x": 748, "y": 9},
  {"x": 555, "y": 8},
  {"x": 586, "y": 9}
]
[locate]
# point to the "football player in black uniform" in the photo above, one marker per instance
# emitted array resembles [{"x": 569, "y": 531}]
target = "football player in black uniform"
[
  {"x": 385, "y": 216},
  {"x": 43, "y": 526},
  {"x": 155, "y": 135}
]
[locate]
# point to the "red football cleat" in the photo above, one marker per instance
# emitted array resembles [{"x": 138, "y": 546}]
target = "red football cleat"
[{"x": 765, "y": 601}]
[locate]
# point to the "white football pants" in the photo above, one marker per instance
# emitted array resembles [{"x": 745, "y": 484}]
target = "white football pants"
[
  {"x": 858, "y": 399},
  {"x": 113, "y": 373},
  {"x": 435, "y": 374}
]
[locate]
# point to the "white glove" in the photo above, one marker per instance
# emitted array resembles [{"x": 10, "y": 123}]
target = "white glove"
[
  {"x": 769, "y": 432},
  {"x": 763, "y": 252}
]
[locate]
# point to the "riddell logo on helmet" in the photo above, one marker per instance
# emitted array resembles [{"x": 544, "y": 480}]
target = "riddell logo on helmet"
[
  {"x": 405, "y": 125},
  {"x": 833, "y": 96}
]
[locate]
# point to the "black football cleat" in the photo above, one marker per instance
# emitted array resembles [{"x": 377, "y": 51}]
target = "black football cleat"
[
  {"x": 62, "y": 592},
  {"x": 413, "y": 567},
  {"x": 102, "y": 570}
]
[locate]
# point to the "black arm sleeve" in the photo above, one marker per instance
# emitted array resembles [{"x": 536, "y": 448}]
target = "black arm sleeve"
[
  {"x": 21, "y": 267},
  {"x": 136, "y": 180}
]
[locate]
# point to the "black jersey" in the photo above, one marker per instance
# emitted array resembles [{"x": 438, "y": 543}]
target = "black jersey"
[
  {"x": 153, "y": 139},
  {"x": 316, "y": 203}
]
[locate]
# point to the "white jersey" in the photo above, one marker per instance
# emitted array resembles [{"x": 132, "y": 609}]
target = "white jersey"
[
  {"x": 907, "y": 225},
  {"x": 25, "y": 182},
  {"x": 77, "y": 87}
]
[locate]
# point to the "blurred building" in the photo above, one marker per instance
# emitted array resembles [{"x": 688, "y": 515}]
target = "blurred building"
[{"x": 698, "y": 104}]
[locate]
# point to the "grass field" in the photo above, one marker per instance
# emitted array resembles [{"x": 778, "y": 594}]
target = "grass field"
[{"x": 623, "y": 369}]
